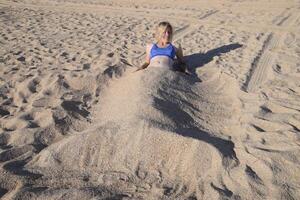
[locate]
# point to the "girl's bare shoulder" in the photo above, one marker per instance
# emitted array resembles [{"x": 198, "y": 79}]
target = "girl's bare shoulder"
[
  {"x": 149, "y": 45},
  {"x": 177, "y": 47}
]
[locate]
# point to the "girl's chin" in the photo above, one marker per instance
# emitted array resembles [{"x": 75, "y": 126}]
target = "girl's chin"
[{"x": 166, "y": 40}]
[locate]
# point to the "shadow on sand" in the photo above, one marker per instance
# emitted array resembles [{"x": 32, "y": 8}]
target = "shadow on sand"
[
  {"x": 170, "y": 102},
  {"x": 197, "y": 60},
  {"x": 185, "y": 126}
]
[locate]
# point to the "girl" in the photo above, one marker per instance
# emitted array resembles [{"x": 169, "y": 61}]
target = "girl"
[{"x": 163, "y": 52}]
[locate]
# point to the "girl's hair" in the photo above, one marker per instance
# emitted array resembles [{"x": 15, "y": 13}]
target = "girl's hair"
[{"x": 161, "y": 28}]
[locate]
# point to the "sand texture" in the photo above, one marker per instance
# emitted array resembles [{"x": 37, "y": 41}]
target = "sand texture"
[{"x": 76, "y": 121}]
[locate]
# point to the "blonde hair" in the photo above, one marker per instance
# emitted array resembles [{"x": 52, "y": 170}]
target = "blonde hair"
[{"x": 161, "y": 28}]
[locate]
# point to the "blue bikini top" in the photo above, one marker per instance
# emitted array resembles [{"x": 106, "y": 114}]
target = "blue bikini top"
[{"x": 167, "y": 51}]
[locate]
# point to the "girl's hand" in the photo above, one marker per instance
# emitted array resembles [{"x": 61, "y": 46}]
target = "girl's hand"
[
  {"x": 145, "y": 65},
  {"x": 138, "y": 69}
]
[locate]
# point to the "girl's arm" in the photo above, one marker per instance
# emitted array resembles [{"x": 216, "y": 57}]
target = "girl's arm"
[
  {"x": 145, "y": 65},
  {"x": 181, "y": 62},
  {"x": 147, "y": 61}
]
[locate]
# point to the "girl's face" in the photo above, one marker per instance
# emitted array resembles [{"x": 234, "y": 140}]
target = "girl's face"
[{"x": 167, "y": 35}]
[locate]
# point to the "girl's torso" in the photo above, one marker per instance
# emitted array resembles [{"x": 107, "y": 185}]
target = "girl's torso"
[{"x": 162, "y": 56}]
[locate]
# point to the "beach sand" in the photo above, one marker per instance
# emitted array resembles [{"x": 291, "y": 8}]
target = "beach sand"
[{"x": 76, "y": 121}]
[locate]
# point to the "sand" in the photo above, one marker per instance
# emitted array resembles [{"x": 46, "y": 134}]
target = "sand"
[{"x": 76, "y": 121}]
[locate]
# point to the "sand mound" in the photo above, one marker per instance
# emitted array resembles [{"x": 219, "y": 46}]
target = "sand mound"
[{"x": 155, "y": 141}]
